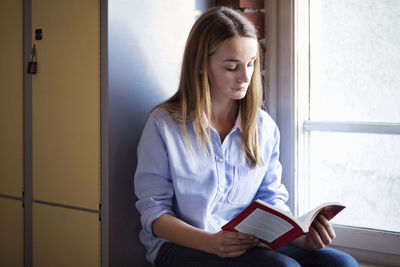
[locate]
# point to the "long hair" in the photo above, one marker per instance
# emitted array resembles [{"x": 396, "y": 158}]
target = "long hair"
[{"x": 192, "y": 100}]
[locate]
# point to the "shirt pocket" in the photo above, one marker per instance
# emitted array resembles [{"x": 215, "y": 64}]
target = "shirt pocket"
[{"x": 246, "y": 182}]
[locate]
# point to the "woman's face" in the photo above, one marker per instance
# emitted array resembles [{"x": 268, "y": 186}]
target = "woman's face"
[{"x": 230, "y": 68}]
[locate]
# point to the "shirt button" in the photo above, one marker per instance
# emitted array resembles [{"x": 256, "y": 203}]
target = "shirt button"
[{"x": 220, "y": 160}]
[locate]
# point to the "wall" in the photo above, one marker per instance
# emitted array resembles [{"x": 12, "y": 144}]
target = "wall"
[{"x": 145, "y": 46}]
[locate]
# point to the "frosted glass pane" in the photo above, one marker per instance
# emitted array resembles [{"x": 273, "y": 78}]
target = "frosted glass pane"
[
  {"x": 360, "y": 170},
  {"x": 355, "y": 60}
]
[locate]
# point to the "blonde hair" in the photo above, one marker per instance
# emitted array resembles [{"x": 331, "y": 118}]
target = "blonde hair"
[{"x": 192, "y": 100}]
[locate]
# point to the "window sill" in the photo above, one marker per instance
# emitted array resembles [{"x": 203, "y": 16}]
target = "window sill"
[
  {"x": 374, "y": 248},
  {"x": 362, "y": 264}
]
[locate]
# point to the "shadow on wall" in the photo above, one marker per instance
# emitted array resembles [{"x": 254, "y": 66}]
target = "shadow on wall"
[
  {"x": 129, "y": 103},
  {"x": 128, "y": 107},
  {"x": 143, "y": 71}
]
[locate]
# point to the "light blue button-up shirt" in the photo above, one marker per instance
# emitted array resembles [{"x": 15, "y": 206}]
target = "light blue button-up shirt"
[{"x": 204, "y": 190}]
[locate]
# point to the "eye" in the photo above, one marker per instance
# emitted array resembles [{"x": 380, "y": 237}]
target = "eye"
[
  {"x": 251, "y": 64},
  {"x": 231, "y": 67}
]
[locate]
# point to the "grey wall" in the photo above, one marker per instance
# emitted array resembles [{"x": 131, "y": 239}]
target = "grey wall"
[{"x": 145, "y": 46}]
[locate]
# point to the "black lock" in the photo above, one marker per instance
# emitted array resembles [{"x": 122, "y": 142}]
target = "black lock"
[
  {"x": 32, "y": 67},
  {"x": 38, "y": 34},
  {"x": 32, "y": 64}
]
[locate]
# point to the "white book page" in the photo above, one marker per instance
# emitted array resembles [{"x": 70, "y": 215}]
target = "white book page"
[
  {"x": 307, "y": 218},
  {"x": 264, "y": 225}
]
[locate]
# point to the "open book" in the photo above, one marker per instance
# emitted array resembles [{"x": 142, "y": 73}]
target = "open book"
[{"x": 274, "y": 227}]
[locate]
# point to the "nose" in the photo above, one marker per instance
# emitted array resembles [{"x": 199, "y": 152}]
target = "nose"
[{"x": 244, "y": 75}]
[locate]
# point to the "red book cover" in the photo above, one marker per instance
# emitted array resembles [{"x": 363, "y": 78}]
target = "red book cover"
[{"x": 273, "y": 227}]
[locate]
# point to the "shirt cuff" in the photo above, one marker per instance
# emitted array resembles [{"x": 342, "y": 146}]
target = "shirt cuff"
[{"x": 149, "y": 216}]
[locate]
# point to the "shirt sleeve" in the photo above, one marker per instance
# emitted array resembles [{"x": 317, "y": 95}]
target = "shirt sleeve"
[
  {"x": 153, "y": 185},
  {"x": 271, "y": 189}
]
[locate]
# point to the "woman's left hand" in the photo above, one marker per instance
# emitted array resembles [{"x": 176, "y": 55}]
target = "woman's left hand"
[{"x": 321, "y": 234}]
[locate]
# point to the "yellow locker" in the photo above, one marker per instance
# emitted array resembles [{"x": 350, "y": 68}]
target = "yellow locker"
[
  {"x": 66, "y": 102},
  {"x": 66, "y": 132},
  {"x": 65, "y": 237},
  {"x": 11, "y": 98},
  {"x": 11, "y": 233}
]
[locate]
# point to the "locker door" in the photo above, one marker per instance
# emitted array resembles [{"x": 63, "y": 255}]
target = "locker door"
[
  {"x": 65, "y": 237},
  {"x": 11, "y": 98},
  {"x": 11, "y": 233},
  {"x": 66, "y": 133},
  {"x": 11, "y": 133},
  {"x": 66, "y": 102}
]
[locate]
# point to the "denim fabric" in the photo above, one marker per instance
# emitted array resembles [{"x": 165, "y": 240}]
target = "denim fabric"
[{"x": 172, "y": 255}]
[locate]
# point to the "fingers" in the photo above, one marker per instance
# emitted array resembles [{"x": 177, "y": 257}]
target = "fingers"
[
  {"x": 328, "y": 227},
  {"x": 235, "y": 244},
  {"x": 325, "y": 229},
  {"x": 321, "y": 233},
  {"x": 234, "y": 238},
  {"x": 235, "y": 250},
  {"x": 313, "y": 238}
]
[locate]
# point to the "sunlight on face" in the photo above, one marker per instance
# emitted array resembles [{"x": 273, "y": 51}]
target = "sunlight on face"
[{"x": 230, "y": 68}]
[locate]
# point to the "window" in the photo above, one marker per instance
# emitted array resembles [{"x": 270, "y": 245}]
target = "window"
[
  {"x": 353, "y": 110},
  {"x": 338, "y": 109}
]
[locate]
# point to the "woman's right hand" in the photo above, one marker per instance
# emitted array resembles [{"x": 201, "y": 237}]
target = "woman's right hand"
[{"x": 228, "y": 244}]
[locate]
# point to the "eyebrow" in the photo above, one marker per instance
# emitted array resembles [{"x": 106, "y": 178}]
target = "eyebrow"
[{"x": 237, "y": 60}]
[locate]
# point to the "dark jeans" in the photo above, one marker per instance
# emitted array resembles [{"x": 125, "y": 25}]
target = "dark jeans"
[{"x": 289, "y": 255}]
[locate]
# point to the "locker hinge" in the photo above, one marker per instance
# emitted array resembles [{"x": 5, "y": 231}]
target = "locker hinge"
[{"x": 100, "y": 212}]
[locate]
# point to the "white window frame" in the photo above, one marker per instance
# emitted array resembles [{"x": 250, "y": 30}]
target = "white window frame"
[{"x": 287, "y": 65}]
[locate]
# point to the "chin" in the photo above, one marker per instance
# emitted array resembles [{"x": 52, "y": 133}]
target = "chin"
[{"x": 239, "y": 96}]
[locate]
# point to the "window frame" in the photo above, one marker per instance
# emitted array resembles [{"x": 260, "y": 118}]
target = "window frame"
[{"x": 287, "y": 52}]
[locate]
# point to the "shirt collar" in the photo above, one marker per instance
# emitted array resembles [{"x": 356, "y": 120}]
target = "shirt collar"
[{"x": 237, "y": 124}]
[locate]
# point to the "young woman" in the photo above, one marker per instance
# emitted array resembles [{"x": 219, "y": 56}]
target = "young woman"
[{"x": 208, "y": 151}]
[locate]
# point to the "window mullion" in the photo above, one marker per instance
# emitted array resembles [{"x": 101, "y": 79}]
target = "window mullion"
[
  {"x": 352, "y": 127},
  {"x": 302, "y": 102}
]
